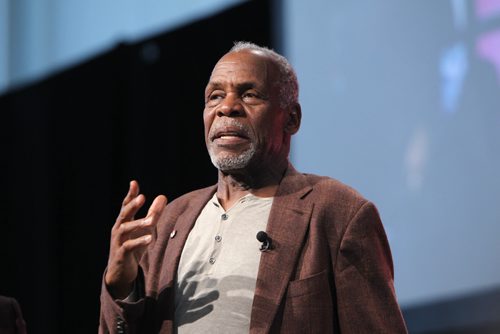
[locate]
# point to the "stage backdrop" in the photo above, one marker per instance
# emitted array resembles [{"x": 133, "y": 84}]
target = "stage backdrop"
[
  {"x": 401, "y": 99},
  {"x": 71, "y": 143}
]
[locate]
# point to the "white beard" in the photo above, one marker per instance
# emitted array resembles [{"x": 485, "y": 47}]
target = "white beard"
[{"x": 226, "y": 161}]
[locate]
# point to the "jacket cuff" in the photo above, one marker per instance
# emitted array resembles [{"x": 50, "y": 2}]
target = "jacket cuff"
[{"x": 122, "y": 315}]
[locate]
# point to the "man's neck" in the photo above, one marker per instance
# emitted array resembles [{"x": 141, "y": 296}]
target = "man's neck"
[{"x": 262, "y": 181}]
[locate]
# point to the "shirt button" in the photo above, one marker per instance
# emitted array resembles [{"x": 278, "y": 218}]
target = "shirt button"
[
  {"x": 218, "y": 238},
  {"x": 212, "y": 260},
  {"x": 224, "y": 216}
]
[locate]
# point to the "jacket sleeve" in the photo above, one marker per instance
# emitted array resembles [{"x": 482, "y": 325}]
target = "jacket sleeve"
[
  {"x": 364, "y": 277},
  {"x": 119, "y": 316}
]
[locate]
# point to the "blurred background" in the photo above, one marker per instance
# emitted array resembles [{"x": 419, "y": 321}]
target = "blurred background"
[{"x": 400, "y": 99}]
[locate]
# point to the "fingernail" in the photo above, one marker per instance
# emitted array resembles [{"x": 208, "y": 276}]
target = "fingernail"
[
  {"x": 147, "y": 238},
  {"x": 146, "y": 221}
]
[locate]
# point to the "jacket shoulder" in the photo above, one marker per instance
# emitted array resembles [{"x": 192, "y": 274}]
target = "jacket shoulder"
[
  {"x": 333, "y": 189},
  {"x": 334, "y": 198}
]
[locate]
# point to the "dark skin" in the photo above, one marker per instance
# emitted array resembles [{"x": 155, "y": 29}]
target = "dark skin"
[
  {"x": 129, "y": 240},
  {"x": 241, "y": 88}
]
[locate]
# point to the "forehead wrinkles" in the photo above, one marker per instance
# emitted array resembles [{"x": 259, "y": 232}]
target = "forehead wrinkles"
[{"x": 231, "y": 71}]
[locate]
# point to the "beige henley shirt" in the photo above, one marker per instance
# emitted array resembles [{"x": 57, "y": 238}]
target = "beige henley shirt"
[{"x": 218, "y": 267}]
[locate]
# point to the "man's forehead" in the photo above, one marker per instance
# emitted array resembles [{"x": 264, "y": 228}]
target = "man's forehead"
[
  {"x": 241, "y": 63},
  {"x": 247, "y": 55}
]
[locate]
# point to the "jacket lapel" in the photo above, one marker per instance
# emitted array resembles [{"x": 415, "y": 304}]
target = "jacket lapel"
[
  {"x": 179, "y": 235},
  {"x": 287, "y": 227}
]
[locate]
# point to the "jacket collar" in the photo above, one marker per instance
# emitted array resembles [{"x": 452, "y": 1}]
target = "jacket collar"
[
  {"x": 179, "y": 234},
  {"x": 287, "y": 227}
]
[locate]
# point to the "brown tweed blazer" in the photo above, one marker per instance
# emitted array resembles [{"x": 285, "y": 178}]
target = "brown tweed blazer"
[{"x": 330, "y": 270}]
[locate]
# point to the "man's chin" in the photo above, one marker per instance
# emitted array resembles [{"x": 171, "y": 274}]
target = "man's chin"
[
  {"x": 225, "y": 165},
  {"x": 228, "y": 163}
]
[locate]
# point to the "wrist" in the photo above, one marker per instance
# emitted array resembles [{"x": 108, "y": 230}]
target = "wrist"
[{"x": 120, "y": 291}]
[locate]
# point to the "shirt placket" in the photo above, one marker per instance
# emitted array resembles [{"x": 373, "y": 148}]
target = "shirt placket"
[{"x": 225, "y": 219}]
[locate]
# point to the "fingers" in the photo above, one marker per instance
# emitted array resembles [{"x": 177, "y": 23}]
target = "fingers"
[
  {"x": 134, "y": 225},
  {"x": 133, "y": 191},
  {"x": 128, "y": 211},
  {"x": 130, "y": 237},
  {"x": 133, "y": 244},
  {"x": 131, "y": 204},
  {"x": 125, "y": 230},
  {"x": 131, "y": 230}
]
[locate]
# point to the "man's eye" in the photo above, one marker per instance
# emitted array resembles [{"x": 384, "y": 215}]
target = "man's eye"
[
  {"x": 251, "y": 96},
  {"x": 214, "y": 98}
]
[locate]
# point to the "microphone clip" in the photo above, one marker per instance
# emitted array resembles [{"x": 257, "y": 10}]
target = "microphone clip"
[{"x": 265, "y": 240}]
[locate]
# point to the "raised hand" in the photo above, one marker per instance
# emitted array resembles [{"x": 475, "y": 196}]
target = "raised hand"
[{"x": 129, "y": 240}]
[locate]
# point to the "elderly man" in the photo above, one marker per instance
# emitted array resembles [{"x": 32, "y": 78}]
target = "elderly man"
[{"x": 320, "y": 264}]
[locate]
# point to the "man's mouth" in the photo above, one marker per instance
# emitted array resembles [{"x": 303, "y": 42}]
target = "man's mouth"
[
  {"x": 230, "y": 137},
  {"x": 229, "y": 134},
  {"x": 226, "y": 135}
]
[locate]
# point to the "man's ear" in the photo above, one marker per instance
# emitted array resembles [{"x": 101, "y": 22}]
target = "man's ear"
[{"x": 294, "y": 117}]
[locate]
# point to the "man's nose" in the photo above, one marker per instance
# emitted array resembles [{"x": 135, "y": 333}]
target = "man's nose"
[{"x": 230, "y": 107}]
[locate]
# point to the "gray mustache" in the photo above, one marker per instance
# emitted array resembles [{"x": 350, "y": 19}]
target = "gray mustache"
[{"x": 228, "y": 123}]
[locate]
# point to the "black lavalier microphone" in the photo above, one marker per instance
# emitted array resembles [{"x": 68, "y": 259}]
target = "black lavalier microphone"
[{"x": 266, "y": 241}]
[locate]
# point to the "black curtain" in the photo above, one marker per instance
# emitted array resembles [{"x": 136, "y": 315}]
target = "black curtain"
[{"x": 72, "y": 142}]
